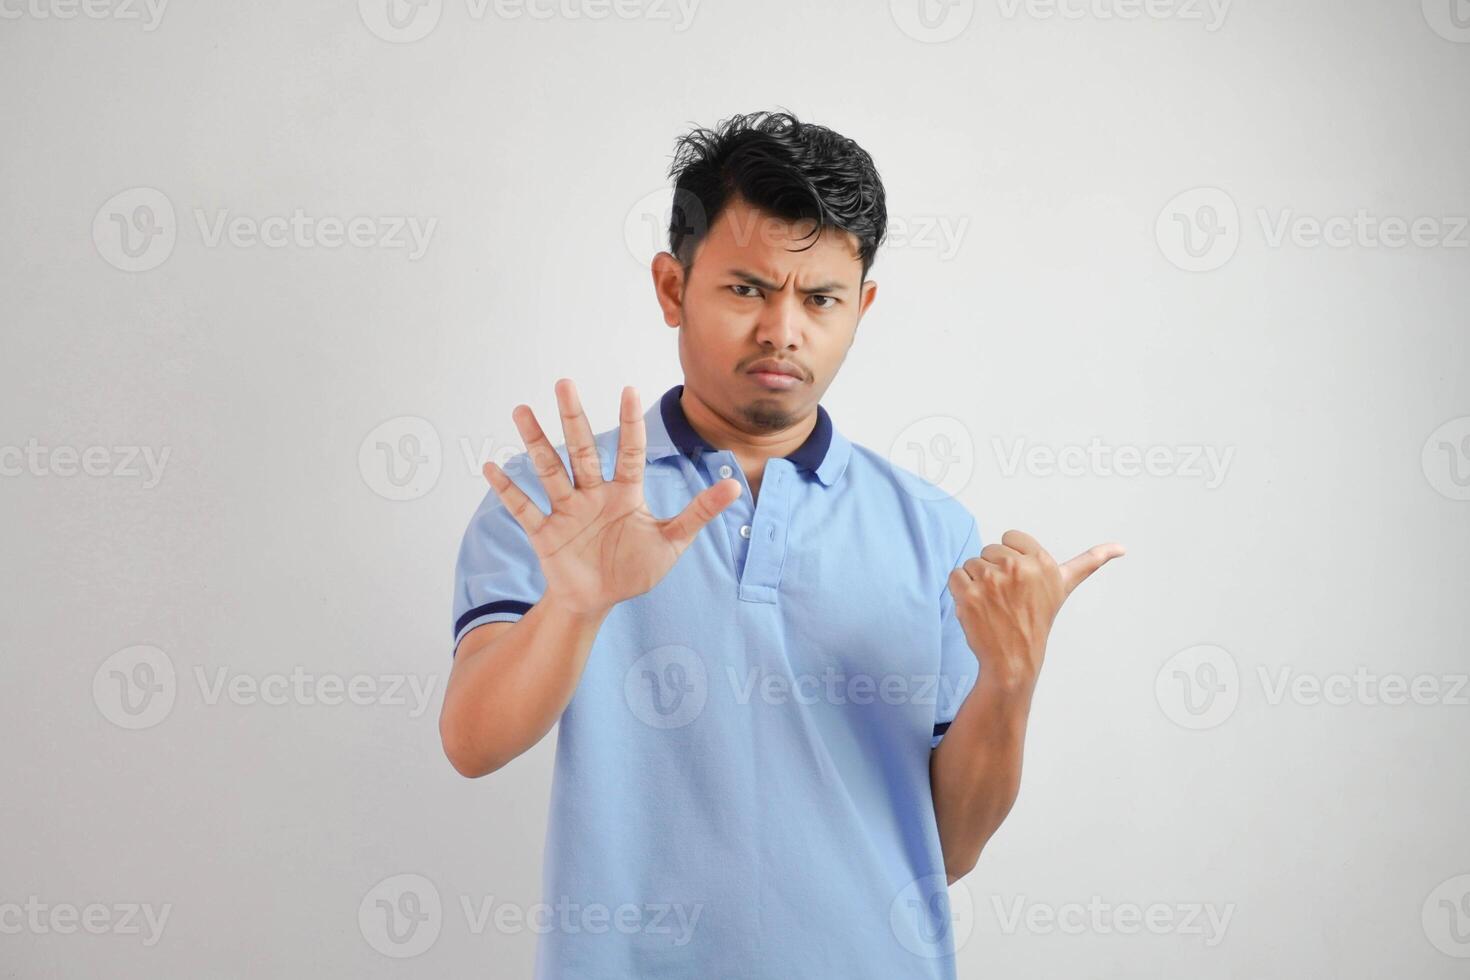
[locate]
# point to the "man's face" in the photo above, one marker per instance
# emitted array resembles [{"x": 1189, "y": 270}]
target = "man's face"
[{"x": 758, "y": 291}]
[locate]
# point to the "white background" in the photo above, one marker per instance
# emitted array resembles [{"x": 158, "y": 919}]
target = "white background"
[{"x": 1049, "y": 144}]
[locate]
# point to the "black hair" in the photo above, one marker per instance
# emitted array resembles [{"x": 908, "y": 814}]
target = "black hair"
[{"x": 787, "y": 168}]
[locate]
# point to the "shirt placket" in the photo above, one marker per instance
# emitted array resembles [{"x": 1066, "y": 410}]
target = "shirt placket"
[{"x": 756, "y": 528}]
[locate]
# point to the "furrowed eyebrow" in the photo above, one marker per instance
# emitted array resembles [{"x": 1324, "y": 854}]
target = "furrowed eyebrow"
[{"x": 751, "y": 279}]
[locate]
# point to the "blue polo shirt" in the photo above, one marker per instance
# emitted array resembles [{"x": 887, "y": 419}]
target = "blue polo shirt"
[{"x": 741, "y": 786}]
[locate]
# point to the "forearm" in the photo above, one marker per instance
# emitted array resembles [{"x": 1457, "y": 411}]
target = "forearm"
[
  {"x": 507, "y": 690},
  {"x": 975, "y": 773}
]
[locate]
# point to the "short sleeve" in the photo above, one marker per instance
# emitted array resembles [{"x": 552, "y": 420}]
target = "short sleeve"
[
  {"x": 958, "y": 666},
  {"x": 498, "y": 575}
]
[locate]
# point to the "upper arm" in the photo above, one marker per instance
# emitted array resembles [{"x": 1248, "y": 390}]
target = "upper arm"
[
  {"x": 497, "y": 577},
  {"x": 482, "y": 635},
  {"x": 958, "y": 666}
]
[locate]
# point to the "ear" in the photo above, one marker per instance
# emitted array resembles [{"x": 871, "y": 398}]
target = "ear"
[
  {"x": 865, "y": 300},
  {"x": 668, "y": 286}
]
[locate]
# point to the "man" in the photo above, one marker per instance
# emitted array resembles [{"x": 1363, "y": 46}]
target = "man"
[{"x": 792, "y": 688}]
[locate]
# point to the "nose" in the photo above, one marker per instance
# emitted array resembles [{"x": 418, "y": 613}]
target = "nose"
[{"x": 781, "y": 322}]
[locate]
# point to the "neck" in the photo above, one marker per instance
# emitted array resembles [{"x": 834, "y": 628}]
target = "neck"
[{"x": 721, "y": 433}]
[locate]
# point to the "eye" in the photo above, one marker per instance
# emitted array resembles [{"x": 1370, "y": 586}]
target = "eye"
[
  {"x": 750, "y": 295},
  {"x": 831, "y": 301}
]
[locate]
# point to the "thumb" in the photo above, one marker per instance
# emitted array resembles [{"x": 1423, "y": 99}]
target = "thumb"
[
  {"x": 1075, "y": 570},
  {"x": 680, "y": 530}
]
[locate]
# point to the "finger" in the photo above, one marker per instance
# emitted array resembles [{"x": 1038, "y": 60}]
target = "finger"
[
  {"x": 581, "y": 444},
  {"x": 1075, "y": 570},
  {"x": 521, "y": 507},
  {"x": 999, "y": 554},
  {"x": 1022, "y": 542},
  {"x": 975, "y": 568},
  {"x": 680, "y": 530},
  {"x": 545, "y": 460},
  {"x": 632, "y": 439}
]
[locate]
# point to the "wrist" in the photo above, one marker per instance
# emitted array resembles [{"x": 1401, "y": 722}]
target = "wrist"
[
  {"x": 1004, "y": 701},
  {"x": 1009, "y": 672},
  {"x": 568, "y": 609},
  {"x": 1005, "y": 686}
]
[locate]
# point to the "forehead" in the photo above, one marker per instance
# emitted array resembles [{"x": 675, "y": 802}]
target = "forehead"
[{"x": 759, "y": 240}]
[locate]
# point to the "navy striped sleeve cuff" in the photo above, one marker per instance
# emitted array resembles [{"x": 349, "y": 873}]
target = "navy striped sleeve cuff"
[{"x": 498, "y": 606}]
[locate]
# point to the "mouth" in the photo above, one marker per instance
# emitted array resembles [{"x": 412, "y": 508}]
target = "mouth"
[{"x": 776, "y": 375}]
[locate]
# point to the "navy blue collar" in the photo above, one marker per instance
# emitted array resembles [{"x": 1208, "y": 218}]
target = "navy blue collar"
[{"x": 809, "y": 456}]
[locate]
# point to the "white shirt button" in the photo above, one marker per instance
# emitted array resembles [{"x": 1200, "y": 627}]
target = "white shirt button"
[
  {"x": 745, "y": 530},
  {"x": 725, "y": 471}
]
